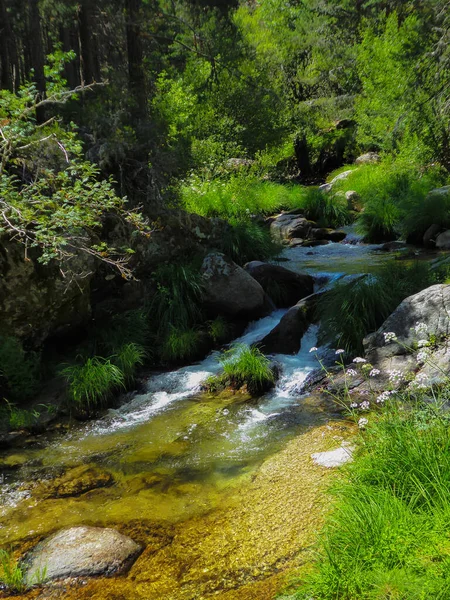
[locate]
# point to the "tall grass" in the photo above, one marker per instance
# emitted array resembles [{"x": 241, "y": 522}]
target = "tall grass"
[
  {"x": 129, "y": 357},
  {"x": 93, "y": 381},
  {"x": 181, "y": 344},
  {"x": 393, "y": 194},
  {"x": 238, "y": 196},
  {"x": 387, "y": 536},
  {"x": 245, "y": 241},
  {"x": 247, "y": 365},
  {"x": 329, "y": 210},
  {"x": 349, "y": 311}
]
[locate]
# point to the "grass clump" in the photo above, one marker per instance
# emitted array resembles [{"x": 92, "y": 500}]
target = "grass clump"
[
  {"x": 129, "y": 357},
  {"x": 245, "y": 241},
  {"x": 181, "y": 344},
  {"x": 11, "y": 574},
  {"x": 349, "y": 311},
  {"x": 244, "y": 365},
  {"x": 93, "y": 381},
  {"x": 218, "y": 330},
  {"x": 328, "y": 210},
  {"x": 387, "y": 536}
]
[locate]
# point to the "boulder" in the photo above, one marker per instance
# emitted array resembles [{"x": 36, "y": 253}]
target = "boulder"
[
  {"x": 334, "y": 458},
  {"x": 284, "y": 286},
  {"x": 325, "y": 188},
  {"x": 288, "y": 226},
  {"x": 286, "y": 337},
  {"x": 230, "y": 290},
  {"x": 77, "y": 481},
  {"x": 331, "y": 235},
  {"x": 80, "y": 552},
  {"x": 442, "y": 190},
  {"x": 368, "y": 158},
  {"x": 430, "y": 306},
  {"x": 341, "y": 176},
  {"x": 430, "y": 235},
  {"x": 393, "y": 246},
  {"x": 443, "y": 240},
  {"x": 353, "y": 201}
]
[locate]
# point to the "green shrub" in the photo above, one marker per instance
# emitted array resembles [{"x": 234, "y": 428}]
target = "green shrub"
[
  {"x": 178, "y": 297},
  {"x": 387, "y": 536},
  {"x": 11, "y": 574},
  {"x": 329, "y": 210},
  {"x": 128, "y": 358},
  {"x": 245, "y": 241},
  {"x": 19, "y": 369},
  {"x": 420, "y": 213},
  {"x": 93, "y": 381},
  {"x": 245, "y": 365},
  {"x": 181, "y": 344}
]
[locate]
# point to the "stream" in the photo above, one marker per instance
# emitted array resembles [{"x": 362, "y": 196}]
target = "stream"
[{"x": 185, "y": 465}]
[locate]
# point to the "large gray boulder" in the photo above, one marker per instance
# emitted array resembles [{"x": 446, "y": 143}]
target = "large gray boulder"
[
  {"x": 284, "y": 286},
  {"x": 230, "y": 290},
  {"x": 443, "y": 240},
  {"x": 289, "y": 226},
  {"x": 368, "y": 158},
  {"x": 286, "y": 337},
  {"x": 80, "y": 552},
  {"x": 430, "y": 235}
]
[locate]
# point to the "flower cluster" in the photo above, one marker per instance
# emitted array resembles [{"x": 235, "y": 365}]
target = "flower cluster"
[
  {"x": 396, "y": 377},
  {"x": 390, "y": 336},
  {"x": 359, "y": 360},
  {"x": 383, "y": 397},
  {"x": 421, "y": 329}
]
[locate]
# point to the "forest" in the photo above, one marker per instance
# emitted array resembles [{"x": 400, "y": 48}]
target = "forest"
[{"x": 191, "y": 193}]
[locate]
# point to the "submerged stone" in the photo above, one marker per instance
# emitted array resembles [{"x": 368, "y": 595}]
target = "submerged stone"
[
  {"x": 80, "y": 552},
  {"x": 333, "y": 458}
]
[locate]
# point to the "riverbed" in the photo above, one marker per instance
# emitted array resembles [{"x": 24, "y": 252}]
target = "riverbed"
[{"x": 219, "y": 489}]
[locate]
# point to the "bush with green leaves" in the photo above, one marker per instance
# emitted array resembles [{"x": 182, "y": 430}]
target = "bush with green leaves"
[
  {"x": 387, "y": 534},
  {"x": 19, "y": 369},
  {"x": 244, "y": 365},
  {"x": 92, "y": 381}
]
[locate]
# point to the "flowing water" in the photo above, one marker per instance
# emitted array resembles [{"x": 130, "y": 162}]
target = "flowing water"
[{"x": 178, "y": 456}]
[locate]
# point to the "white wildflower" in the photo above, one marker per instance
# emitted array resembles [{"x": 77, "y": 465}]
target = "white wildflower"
[
  {"x": 364, "y": 405},
  {"x": 374, "y": 372},
  {"x": 423, "y": 343},
  {"x": 383, "y": 397},
  {"x": 313, "y": 349},
  {"x": 340, "y": 351},
  {"x": 389, "y": 336},
  {"x": 362, "y": 422},
  {"x": 422, "y": 356},
  {"x": 421, "y": 328},
  {"x": 354, "y": 405},
  {"x": 395, "y": 376},
  {"x": 359, "y": 360},
  {"x": 352, "y": 372}
]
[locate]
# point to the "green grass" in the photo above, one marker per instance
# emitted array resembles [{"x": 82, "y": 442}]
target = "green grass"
[
  {"x": 11, "y": 574},
  {"x": 328, "y": 210},
  {"x": 93, "y": 381},
  {"x": 387, "y": 537},
  {"x": 218, "y": 330},
  {"x": 129, "y": 357},
  {"x": 393, "y": 194},
  {"x": 181, "y": 344},
  {"x": 245, "y": 241},
  {"x": 244, "y": 365},
  {"x": 349, "y": 311}
]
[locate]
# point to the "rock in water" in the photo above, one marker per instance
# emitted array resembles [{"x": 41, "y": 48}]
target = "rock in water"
[
  {"x": 285, "y": 287},
  {"x": 231, "y": 290},
  {"x": 80, "y": 552},
  {"x": 333, "y": 458}
]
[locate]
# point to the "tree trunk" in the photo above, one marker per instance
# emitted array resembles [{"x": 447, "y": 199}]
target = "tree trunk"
[
  {"x": 136, "y": 75},
  {"x": 36, "y": 51},
  {"x": 90, "y": 67},
  {"x": 9, "y": 67}
]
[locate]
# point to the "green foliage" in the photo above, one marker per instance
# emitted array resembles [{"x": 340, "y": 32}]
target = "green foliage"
[
  {"x": 130, "y": 327},
  {"x": 18, "y": 369},
  {"x": 181, "y": 344},
  {"x": 218, "y": 330},
  {"x": 93, "y": 381},
  {"x": 58, "y": 203},
  {"x": 11, "y": 574},
  {"x": 246, "y": 240},
  {"x": 420, "y": 213},
  {"x": 178, "y": 297},
  {"x": 387, "y": 535},
  {"x": 393, "y": 194},
  {"x": 128, "y": 358},
  {"x": 244, "y": 365},
  {"x": 349, "y": 311},
  {"x": 328, "y": 210}
]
